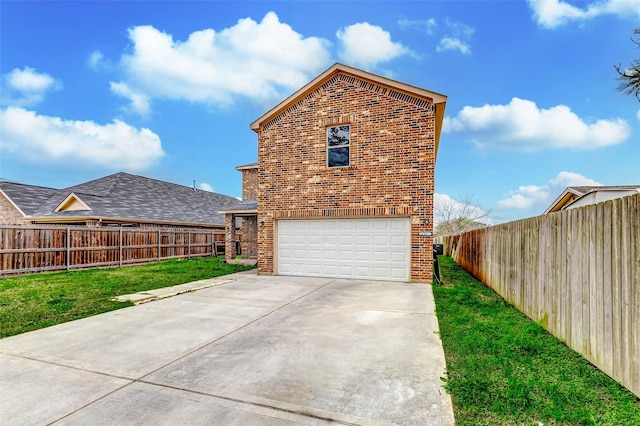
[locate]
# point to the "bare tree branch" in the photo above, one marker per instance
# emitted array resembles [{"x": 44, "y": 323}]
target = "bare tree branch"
[{"x": 456, "y": 216}]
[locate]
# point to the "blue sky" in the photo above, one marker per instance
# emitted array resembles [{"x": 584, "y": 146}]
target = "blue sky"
[{"x": 168, "y": 89}]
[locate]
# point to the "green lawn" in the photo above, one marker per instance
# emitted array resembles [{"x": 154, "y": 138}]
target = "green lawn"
[
  {"x": 504, "y": 369},
  {"x": 36, "y": 301}
]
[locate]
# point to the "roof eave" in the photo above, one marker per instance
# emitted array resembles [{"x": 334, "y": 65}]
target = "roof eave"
[
  {"x": 562, "y": 200},
  {"x": 247, "y": 167},
  {"x": 436, "y": 98},
  {"x": 249, "y": 212},
  {"x": 63, "y": 219},
  {"x": 439, "y": 121}
]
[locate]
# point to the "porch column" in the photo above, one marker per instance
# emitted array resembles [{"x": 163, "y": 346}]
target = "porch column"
[
  {"x": 250, "y": 237},
  {"x": 230, "y": 236}
]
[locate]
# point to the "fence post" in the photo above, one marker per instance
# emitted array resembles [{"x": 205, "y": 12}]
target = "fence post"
[
  {"x": 188, "y": 244},
  {"x": 213, "y": 245},
  {"x": 159, "y": 245},
  {"x": 121, "y": 247},
  {"x": 68, "y": 248}
]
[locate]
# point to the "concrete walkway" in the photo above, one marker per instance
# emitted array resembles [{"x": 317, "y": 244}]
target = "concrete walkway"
[{"x": 257, "y": 350}]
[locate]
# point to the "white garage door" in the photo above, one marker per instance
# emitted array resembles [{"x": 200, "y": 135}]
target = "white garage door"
[{"x": 376, "y": 249}]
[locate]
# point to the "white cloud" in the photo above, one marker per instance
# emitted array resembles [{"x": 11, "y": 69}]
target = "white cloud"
[
  {"x": 96, "y": 58},
  {"x": 365, "y": 45},
  {"x": 29, "y": 80},
  {"x": 27, "y": 87},
  {"x": 206, "y": 187},
  {"x": 139, "y": 102},
  {"x": 540, "y": 197},
  {"x": 638, "y": 115},
  {"x": 428, "y": 25},
  {"x": 554, "y": 13},
  {"x": 522, "y": 126},
  {"x": 41, "y": 138},
  {"x": 457, "y": 38},
  {"x": 98, "y": 62},
  {"x": 447, "y": 43},
  {"x": 261, "y": 61}
]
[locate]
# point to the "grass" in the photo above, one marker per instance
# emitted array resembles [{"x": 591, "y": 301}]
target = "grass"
[
  {"x": 36, "y": 301},
  {"x": 504, "y": 369}
]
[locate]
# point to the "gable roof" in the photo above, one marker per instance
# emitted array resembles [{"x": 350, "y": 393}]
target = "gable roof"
[
  {"x": 72, "y": 203},
  {"x": 27, "y": 198},
  {"x": 396, "y": 88},
  {"x": 573, "y": 193},
  {"x": 123, "y": 196}
]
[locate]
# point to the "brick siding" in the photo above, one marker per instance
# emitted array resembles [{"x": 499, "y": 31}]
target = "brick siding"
[
  {"x": 250, "y": 184},
  {"x": 9, "y": 215},
  {"x": 250, "y": 237},
  {"x": 391, "y": 172},
  {"x": 230, "y": 251}
]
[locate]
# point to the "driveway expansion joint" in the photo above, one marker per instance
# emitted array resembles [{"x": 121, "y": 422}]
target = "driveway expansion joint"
[
  {"x": 226, "y": 335},
  {"x": 365, "y": 308},
  {"x": 163, "y": 293},
  {"x": 252, "y": 403},
  {"x": 72, "y": 367},
  {"x": 325, "y": 337}
]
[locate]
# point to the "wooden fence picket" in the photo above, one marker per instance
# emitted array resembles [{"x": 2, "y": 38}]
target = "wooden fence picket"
[{"x": 36, "y": 248}]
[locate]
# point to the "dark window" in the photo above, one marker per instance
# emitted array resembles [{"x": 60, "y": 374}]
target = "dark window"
[{"x": 338, "y": 139}]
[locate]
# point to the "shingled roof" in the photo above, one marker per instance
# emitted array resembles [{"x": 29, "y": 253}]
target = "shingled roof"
[
  {"x": 131, "y": 198},
  {"x": 28, "y": 198}
]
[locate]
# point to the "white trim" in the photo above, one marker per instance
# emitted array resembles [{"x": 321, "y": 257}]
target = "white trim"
[
  {"x": 66, "y": 201},
  {"x": 347, "y": 145}
]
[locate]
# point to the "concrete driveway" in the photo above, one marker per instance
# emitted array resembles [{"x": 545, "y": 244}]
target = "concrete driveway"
[{"x": 259, "y": 350}]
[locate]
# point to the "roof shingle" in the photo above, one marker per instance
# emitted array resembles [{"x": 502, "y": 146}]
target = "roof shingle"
[{"x": 127, "y": 196}]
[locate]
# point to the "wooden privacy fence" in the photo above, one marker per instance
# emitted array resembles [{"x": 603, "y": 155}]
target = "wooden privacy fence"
[
  {"x": 577, "y": 272},
  {"x": 50, "y": 248}
]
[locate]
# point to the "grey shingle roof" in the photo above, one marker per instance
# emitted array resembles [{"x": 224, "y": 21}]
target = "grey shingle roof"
[
  {"x": 247, "y": 165},
  {"x": 249, "y": 204},
  {"x": 127, "y": 196},
  {"x": 28, "y": 197}
]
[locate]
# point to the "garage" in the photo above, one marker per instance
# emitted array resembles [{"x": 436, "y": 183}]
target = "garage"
[{"x": 372, "y": 248}]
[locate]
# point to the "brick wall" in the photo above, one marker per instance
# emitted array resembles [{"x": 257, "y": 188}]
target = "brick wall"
[
  {"x": 9, "y": 215},
  {"x": 250, "y": 237},
  {"x": 391, "y": 171},
  {"x": 250, "y": 184},
  {"x": 230, "y": 251}
]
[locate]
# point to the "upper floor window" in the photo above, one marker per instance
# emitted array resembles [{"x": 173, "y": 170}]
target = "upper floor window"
[{"x": 338, "y": 140}]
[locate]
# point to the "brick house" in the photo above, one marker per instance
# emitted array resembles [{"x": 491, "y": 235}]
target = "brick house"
[
  {"x": 344, "y": 182},
  {"x": 120, "y": 199},
  {"x": 19, "y": 201}
]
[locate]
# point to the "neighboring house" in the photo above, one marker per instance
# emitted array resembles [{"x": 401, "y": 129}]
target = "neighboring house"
[
  {"x": 119, "y": 199},
  {"x": 18, "y": 201},
  {"x": 578, "y": 196},
  {"x": 344, "y": 182}
]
